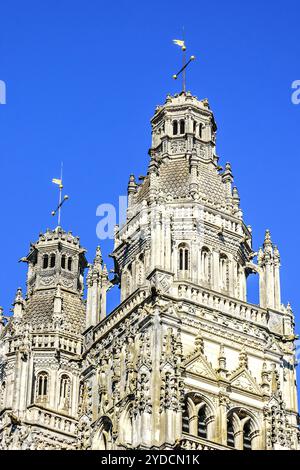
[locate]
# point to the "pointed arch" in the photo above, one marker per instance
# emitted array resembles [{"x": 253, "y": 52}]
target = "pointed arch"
[
  {"x": 243, "y": 429},
  {"x": 126, "y": 425},
  {"x": 199, "y": 416},
  {"x": 102, "y": 438}
]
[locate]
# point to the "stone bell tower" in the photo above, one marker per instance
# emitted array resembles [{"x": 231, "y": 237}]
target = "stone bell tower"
[
  {"x": 186, "y": 361},
  {"x": 42, "y": 345}
]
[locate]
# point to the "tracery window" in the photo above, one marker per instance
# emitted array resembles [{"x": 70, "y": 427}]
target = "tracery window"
[
  {"x": 183, "y": 258},
  {"x": 242, "y": 430},
  {"x": 198, "y": 417},
  {"x": 42, "y": 386}
]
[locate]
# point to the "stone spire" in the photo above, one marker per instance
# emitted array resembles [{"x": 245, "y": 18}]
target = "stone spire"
[{"x": 18, "y": 305}]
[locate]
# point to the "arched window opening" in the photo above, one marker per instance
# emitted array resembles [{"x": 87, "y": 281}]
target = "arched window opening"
[
  {"x": 200, "y": 130},
  {"x": 223, "y": 272},
  {"x": 185, "y": 420},
  {"x": 230, "y": 433},
  {"x": 247, "y": 436},
  {"x": 205, "y": 264},
  {"x": 45, "y": 261},
  {"x": 52, "y": 261},
  {"x": 182, "y": 126},
  {"x": 202, "y": 428},
  {"x": 175, "y": 127},
  {"x": 126, "y": 432},
  {"x": 104, "y": 440},
  {"x": 183, "y": 258},
  {"x": 63, "y": 261},
  {"x": 70, "y": 263},
  {"x": 64, "y": 392},
  {"x": 194, "y": 126},
  {"x": 42, "y": 386}
]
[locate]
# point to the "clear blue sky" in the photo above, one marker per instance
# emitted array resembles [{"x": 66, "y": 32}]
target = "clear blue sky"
[{"x": 83, "y": 80}]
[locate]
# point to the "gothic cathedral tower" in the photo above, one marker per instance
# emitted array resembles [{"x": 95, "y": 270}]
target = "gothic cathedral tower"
[{"x": 185, "y": 361}]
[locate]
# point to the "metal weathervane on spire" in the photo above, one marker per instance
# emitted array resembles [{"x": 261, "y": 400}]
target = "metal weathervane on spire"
[
  {"x": 61, "y": 200},
  {"x": 181, "y": 43}
]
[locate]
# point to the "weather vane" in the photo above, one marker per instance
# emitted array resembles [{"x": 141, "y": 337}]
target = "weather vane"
[
  {"x": 61, "y": 200},
  {"x": 181, "y": 43}
]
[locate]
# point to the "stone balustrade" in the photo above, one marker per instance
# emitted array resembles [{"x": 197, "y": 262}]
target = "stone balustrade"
[
  {"x": 48, "y": 340},
  {"x": 219, "y": 302},
  {"x": 196, "y": 443},
  {"x": 52, "y": 420}
]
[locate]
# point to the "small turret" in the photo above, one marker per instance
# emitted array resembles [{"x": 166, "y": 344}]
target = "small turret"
[
  {"x": 19, "y": 304},
  {"x": 98, "y": 284},
  {"x": 269, "y": 264}
]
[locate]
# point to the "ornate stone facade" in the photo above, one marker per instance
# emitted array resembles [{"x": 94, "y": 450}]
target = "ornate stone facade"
[{"x": 184, "y": 361}]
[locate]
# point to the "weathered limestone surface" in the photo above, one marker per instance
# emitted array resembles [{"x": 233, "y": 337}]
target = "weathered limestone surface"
[{"x": 184, "y": 361}]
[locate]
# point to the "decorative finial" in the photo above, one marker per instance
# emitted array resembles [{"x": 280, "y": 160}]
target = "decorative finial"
[
  {"x": 235, "y": 195},
  {"x": 61, "y": 200},
  {"x": 268, "y": 241},
  {"x": 98, "y": 258},
  {"x": 243, "y": 358},
  {"x": 19, "y": 295}
]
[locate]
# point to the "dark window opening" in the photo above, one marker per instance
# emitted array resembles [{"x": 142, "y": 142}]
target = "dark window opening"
[
  {"x": 182, "y": 126},
  {"x": 70, "y": 264},
  {"x": 200, "y": 130},
  {"x": 52, "y": 261},
  {"x": 247, "y": 438},
  {"x": 63, "y": 261},
  {"x": 202, "y": 428},
  {"x": 185, "y": 421},
  {"x": 183, "y": 259},
  {"x": 43, "y": 385},
  {"x": 175, "y": 127},
  {"x": 230, "y": 434},
  {"x": 45, "y": 261}
]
